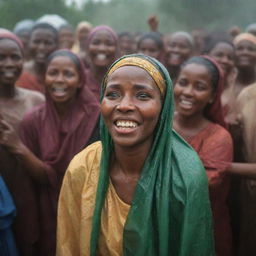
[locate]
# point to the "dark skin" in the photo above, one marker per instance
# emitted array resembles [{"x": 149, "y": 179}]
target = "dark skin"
[
  {"x": 65, "y": 75},
  {"x": 131, "y": 97},
  {"x": 102, "y": 43}
]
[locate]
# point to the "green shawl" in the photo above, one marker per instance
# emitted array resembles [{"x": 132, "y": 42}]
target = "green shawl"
[{"x": 170, "y": 212}]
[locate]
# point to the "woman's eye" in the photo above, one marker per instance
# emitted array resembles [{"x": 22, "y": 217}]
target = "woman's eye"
[
  {"x": 182, "y": 82},
  {"x": 143, "y": 96},
  {"x": 69, "y": 74},
  {"x": 112, "y": 95},
  {"x": 200, "y": 87}
]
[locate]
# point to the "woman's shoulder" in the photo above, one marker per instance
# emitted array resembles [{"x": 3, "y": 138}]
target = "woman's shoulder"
[
  {"x": 86, "y": 161},
  {"x": 33, "y": 116},
  {"x": 248, "y": 93}
]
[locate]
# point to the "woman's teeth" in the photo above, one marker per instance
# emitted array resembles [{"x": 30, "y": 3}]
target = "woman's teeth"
[{"x": 126, "y": 124}]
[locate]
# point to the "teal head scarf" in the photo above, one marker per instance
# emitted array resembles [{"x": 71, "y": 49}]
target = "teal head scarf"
[{"x": 170, "y": 212}]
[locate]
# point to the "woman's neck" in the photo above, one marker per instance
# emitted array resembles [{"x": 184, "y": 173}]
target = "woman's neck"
[
  {"x": 246, "y": 76},
  {"x": 130, "y": 161},
  {"x": 7, "y": 91},
  {"x": 189, "y": 126},
  {"x": 63, "y": 109}
]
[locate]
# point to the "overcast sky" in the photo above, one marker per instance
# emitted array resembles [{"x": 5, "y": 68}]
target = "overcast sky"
[{"x": 80, "y": 2}]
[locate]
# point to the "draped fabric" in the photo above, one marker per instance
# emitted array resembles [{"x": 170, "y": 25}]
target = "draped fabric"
[
  {"x": 170, "y": 212},
  {"x": 21, "y": 187},
  {"x": 214, "y": 147},
  {"x": 246, "y": 104},
  {"x": 55, "y": 141},
  {"x": 30, "y": 82},
  {"x": 7, "y": 215}
]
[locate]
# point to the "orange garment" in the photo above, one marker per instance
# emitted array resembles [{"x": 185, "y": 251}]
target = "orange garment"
[
  {"x": 30, "y": 81},
  {"x": 215, "y": 149}
]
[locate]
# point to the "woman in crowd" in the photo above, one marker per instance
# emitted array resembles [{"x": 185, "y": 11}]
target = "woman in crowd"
[
  {"x": 102, "y": 49},
  {"x": 14, "y": 103},
  {"x": 43, "y": 41},
  {"x": 53, "y": 133},
  {"x": 141, "y": 190},
  {"x": 66, "y": 36},
  {"x": 223, "y": 52},
  {"x": 151, "y": 44},
  {"x": 179, "y": 47},
  {"x": 126, "y": 42},
  {"x": 199, "y": 120}
]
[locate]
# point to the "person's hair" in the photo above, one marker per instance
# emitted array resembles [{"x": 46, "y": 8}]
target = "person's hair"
[
  {"x": 211, "y": 68},
  {"x": 211, "y": 45},
  {"x": 186, "y": 35},
  {"x": 44, "y": 25},
  {"x": 125, "y": 33},
  {"x": 151, "y": 35},
  {"x": 64, "y": 53},
  {"x": 66, "y": 26}
]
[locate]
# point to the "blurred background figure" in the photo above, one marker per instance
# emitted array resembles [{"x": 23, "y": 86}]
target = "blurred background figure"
[
  {"x": 179, "y": 46},
  {"x": 126, "y": 43},
  {"x": 251, "y": 28},
  {"x": 23, "y": 29},
  {"x": 43, "y": 41},
  {"x": 234, "y": 31},
  {"x": 151, "y": 44},
  {"x": 199, "y": 36},
  {"x": 66, "y": 36}
]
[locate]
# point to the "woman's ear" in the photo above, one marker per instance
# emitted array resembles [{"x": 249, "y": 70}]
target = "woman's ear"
[{"x": 212, "y": 98}]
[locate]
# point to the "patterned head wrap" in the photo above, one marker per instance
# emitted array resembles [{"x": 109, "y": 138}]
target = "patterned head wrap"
[{"x": 144, "y": 64}]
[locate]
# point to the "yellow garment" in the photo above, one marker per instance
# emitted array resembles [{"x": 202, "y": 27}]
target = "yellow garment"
[{"x": 76, "y": 207}]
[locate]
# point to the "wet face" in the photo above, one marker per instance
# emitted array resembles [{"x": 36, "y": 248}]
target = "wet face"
[
  {"x": 131, "y": 106},
  {"x": 178, "y": 49},
  {"x": 11, "y": 61},
  {"x": 193, "y": 90},
  {"x": 66, "y": 38},
  {"x": 62, "y": 80},
  {"x": 224, "y": 54},
  {"x": 149, "y": 47},
  {"x": 102, "y": 49},
  {"x": 42, "y": 43},
  {"x": 245, "y": 54}
]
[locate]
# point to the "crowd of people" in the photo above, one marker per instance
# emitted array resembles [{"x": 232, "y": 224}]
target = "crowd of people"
[{"x": 127, "y": 143}]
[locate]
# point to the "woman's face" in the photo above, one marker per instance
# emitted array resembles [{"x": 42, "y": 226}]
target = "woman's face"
[
  {"x": 62, "y": 79},
  {"x": 131, "y": 106},
  {"x": 224, "y": 54},
  {"x": 11, "y": 62},
  {"x": 66, "y": 38},
  {"x": 102, "y": 49},
  {"x": 42, "y": 43},
  {"x": 245, "y": 54},
  {"x": 193, "y": 90},
  {"x": 149, "y": 47},
  {"x": 177, "y": 49}
]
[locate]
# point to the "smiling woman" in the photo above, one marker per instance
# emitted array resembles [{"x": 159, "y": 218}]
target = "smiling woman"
[
  {"x": 102, "y": 47},
  {"x": 53, "y": 133},
  {"x": 199, "y": 120},
  {"x": 129, "y": 193}
]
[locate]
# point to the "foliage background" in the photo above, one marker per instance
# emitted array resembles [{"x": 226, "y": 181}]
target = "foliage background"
[{"x": 132, "y": 14}]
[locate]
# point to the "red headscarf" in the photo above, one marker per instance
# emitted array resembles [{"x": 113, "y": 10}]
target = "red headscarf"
[
  {"x": 214, "y": 111},
  {"x": 6, "y": 34},
  {"x": 60, "y": 139}
]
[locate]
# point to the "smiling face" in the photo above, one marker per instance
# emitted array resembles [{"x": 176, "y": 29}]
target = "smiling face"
[
  {"x": 149, "y": 47},
  {"x": 178, "y": 49},
  {"x": 11, "y": 61},
  {"x": 245, "y": 54},
  {"x": 62, "y": 80},
  {"x": 42, "y": 43},
  {"x": 131, "y": 106},
  {"x": 193, "y": 90},
  {"x": 224, "y": 54},
  {"x": 102, "y": 49}
]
